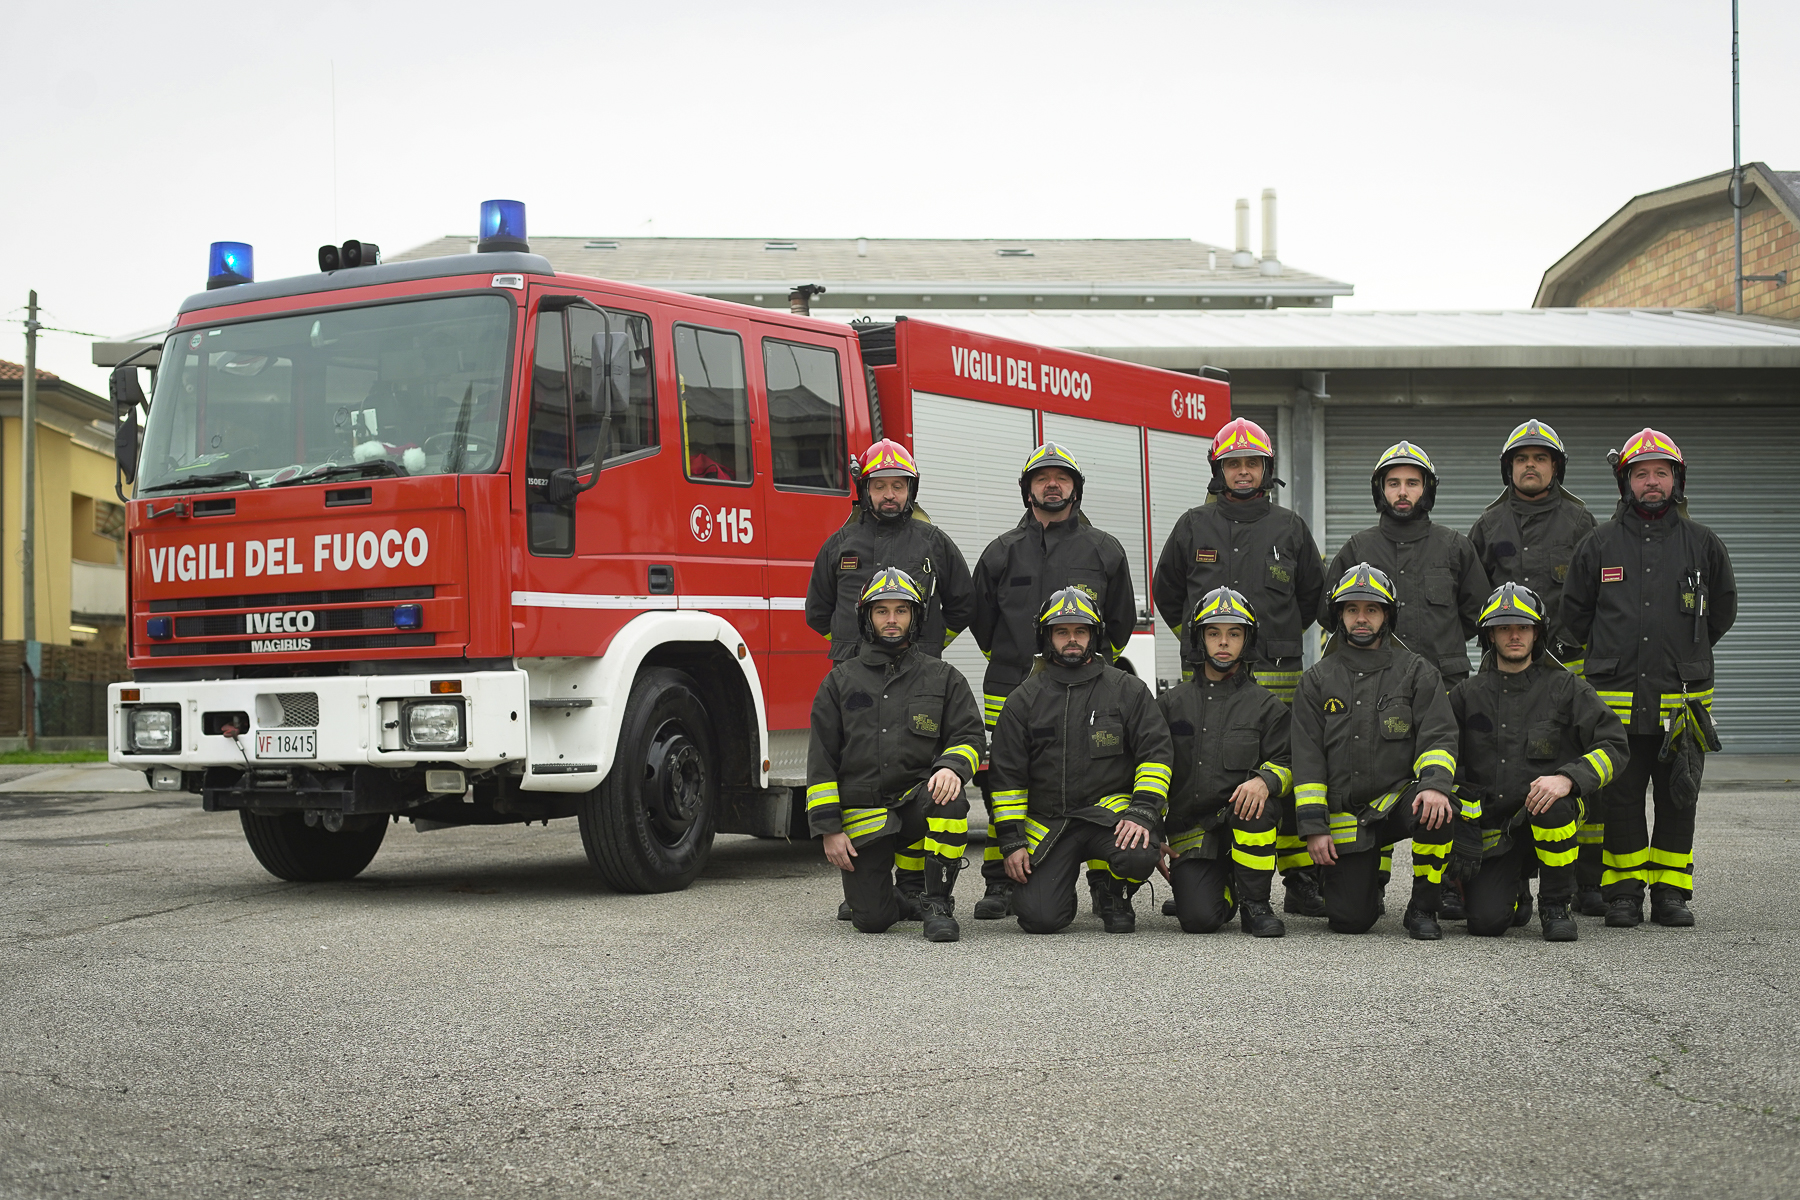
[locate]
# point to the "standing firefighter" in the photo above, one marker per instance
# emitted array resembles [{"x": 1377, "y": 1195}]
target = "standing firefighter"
[
  {"x": 1437, "y": 577},
  {"x": 1650, "y": 593},
  {"x": 1528, "y": 536},
  {"x": 1374, "y": 763},
  {"x": 1536, "y": 743},
  {"x": 888, "y": 530},
  {"x": 1080, "y": 769},
  {"x": 895, "y": 738},
  {"x": 1053, "y": 546},
  {"x": 1242, "y": 540},
  {"x": 1231, "y": 773}
]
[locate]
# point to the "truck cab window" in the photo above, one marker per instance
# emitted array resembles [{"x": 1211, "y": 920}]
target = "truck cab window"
[
  {"x": 715, "y": 405},
  {"x": 806, "y": 416},
  {"x": 634, "y": 427},
  {"x": 548, "y": 438}
]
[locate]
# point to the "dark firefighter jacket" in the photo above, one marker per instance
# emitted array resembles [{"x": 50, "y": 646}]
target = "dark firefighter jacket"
[
  {"x": 1224, "y": 732},
  {"x": 1439, "y": 584},
  {"x": 1531, "y": 542},
  {"x": 1649, "y": 600},
  {"x": 1256, "y": 547},
  {"x": 1077, "y": 742},
  {"x": 881, "y": 725},
  {"x": 1016, "y": 574},
  {"x": 1541, "y": 721},
  {"x": 864, "y": 545},
  {"x": 1366, "y": 724}
]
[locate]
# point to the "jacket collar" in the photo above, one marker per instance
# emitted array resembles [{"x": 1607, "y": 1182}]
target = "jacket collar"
[{"x": 1415, "y": 530}]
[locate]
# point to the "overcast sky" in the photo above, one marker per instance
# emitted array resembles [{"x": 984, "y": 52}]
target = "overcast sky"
[{"x": 1434, "y": 155}]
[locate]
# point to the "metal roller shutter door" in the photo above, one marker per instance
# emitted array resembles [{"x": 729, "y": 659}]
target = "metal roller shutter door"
[
  {"x": 969, "y": 456},
  {"x": 1112, "y": 491},
  {"x": 1739, "y": 482}
]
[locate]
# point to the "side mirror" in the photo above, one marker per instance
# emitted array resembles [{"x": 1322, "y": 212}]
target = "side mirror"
[
  {"x": 611, "y": 359},
  {"x": 127, "y": 398}
]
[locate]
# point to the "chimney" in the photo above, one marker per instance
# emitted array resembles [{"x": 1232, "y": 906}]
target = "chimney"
[
  {"x": 862, "y": 247},
  {"x": 800, "y": 299},
  {"x": 1242, "y": 256},
  {"x": 1271, "y": 265}
]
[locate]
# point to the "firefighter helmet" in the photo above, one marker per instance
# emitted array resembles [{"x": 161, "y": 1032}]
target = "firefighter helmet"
[
  {"x": 1362, "y": 582},
  {"x": 1241, "y": 438},
  {"x": 890, "y": 583},
  {"x": 1069, "y": 606},
  {"x": 1533, "y": 433},
  {"x": 887, "y": 459},
  {"x": 1221, "y": 606},
  {"x": 1400, "y": 454},
  {"x": 1514, "y": 604},
  {"x": 1647, "y": 445},
  {"x": 1049, "y": 455}
]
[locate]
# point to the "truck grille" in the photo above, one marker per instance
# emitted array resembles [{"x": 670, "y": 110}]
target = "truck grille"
[
  {"x": 390, "y": 595},
  {"x": 320, "y": 645},
  {"x": 327, "y": 620},
  {"x": 298, "y": 710}
]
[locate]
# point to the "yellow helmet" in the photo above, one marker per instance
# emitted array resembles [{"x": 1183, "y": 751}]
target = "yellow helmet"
[
  {"x": 891, "y": 583},
  {"x": 1221, "y": 606},
  {"x": 1400, "y": 454},
  {"x": 1049, "y": 455},
  {"x": 1069, "y": 606}
]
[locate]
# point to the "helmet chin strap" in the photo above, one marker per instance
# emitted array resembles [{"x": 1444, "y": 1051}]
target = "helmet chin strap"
[
  {"x": 1051, "y": 505},
  {"x": 1362, "y": 639}
]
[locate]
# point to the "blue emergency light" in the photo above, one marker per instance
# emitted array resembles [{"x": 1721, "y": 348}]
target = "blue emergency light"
[
  {"x": 230, "y": 263},
  {"x": 408, "y": 616},
  {"x": 160, "y": 629},
  {"x": 502, "y": 227}
]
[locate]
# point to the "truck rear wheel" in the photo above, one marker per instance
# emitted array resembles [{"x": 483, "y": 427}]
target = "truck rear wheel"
[
  {"x": 649, "y": 826},
  {"x": 290, "y": 849}
]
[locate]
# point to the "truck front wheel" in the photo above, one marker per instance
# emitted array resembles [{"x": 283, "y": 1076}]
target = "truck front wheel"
[
  {"x": 649, "y": 826},
  {"x": 290, "y": 849}
]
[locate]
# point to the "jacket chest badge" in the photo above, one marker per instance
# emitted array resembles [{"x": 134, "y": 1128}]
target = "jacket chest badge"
[
  {"x": 1398, "y": 726},
  {"x": 922, "y": 723},
  {"x": 1560, "y": 572},
  {"x": 1206, "y": 554},
  {"x": 1334, "y": 705},
  {"x": 1279, "y": 573},
  {"x": 1088, "y": 590},
  {"x": 1612, "y": 574},
  {"x": 1105, "y": 739},
  {"x": 849, "y": 562}
]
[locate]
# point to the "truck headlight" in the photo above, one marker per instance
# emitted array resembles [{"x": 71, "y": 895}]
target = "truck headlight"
[
  {"x": 437, "y": 724},
  {"x": 153, "y": 730}
]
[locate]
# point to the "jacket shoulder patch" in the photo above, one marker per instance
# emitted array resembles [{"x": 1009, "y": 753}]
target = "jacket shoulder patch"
[
  {"x": 1206, "y": 554},
  {"x": 1333, "y": 705},
  {"x": 1612, "y": 574},
  {"x": 858, "y": 700},
  {"x": 849, "y": 562}
]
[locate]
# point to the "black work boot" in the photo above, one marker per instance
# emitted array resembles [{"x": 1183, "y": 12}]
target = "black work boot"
[
  {"x": 1169, "y": 907},
  {"x": 1098, "y": 889},
  {"x": 1590, "y": 903},
  {"x": 1422, "y": 926},
  {"x": 1450, "y": 903},
  {"x": 1300, "y": 893},
  {"x": 1668, "y": 907},
  {"x": 1559, "y": 926},
  {"x": 909, "y": 904},
  {"x": 1116, "y": 913},
  {"x": 844, "y": 912},
  {"x": 1522, "y": 910},
  {"x": 1259, "y": 920},
  {"x": 936, "y": 904},
  {"x": 996, "y": 902},
  {"x": 1625, "y": 912}
]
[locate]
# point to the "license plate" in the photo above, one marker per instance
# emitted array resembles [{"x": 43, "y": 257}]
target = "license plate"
[{"x": 287, "y": 743}]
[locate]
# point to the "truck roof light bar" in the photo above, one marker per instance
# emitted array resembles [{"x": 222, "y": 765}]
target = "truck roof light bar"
[
  {"x": 502, "y": 227},
  {"x": 229, "y": 264}
]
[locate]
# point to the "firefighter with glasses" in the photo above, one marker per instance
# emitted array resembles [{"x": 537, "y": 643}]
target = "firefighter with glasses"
[
  {"x": 1375, "y": 762},
  {"x": 1536, "y": 744},
  {"x": 1527, "y": 536},
  {"x": 1242, "y": 540},
  {"x": 1053, "y": 546},
  {"x": 1231, "y": 773},
  {"x": 896, "y": 736},
  {"x": 1080, "y": 768},
  {"x": 1649, "y": 594}
]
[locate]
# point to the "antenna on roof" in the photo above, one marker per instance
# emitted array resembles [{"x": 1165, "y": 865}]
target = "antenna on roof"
[{"x": 1737, "y": 180}]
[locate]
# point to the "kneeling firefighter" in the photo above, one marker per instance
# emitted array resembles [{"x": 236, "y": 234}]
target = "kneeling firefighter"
[
  {"x": 896, "y": 736},
  {"x": 1080, "y": 769},
  {"x": 1231, "y": 771}
]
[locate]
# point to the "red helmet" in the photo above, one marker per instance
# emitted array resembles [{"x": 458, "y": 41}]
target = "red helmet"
[
  {"x": 1241, "y": 438},
  {"x": 1647, "y": 445},
  {"x": 887, "y": 459}
]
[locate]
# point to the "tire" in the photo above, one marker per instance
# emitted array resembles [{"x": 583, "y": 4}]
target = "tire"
[
  {"x": 290, "y": 849},
  {"x": 649, "y": 826}
]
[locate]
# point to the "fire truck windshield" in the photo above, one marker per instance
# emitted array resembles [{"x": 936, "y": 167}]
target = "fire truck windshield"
[{"x": 410, "y": 388}]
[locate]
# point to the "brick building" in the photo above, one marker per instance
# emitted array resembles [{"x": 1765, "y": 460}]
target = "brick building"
[{"x": 1674, "y": 248}]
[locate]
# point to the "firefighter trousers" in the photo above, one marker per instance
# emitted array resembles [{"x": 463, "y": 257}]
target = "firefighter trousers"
[
  {"x": 926, "y": 829},
  {"x": 1209, "y": 890},
  {"x": 1634, "y": 857},
  {"x": 1353, "y": 886},
  {"x": 1046, "y": 903},
  {"x": 1547, "y": 839}
]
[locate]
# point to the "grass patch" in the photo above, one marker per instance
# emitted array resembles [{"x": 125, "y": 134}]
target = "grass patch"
[{"x": 14, "y": 757}]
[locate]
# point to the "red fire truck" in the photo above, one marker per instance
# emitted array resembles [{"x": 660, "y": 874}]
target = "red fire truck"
[{"x": 468, "y": 541}]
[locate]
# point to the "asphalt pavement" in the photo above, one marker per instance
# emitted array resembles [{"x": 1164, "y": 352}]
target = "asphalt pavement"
[{"x": 477, "y": 1015}]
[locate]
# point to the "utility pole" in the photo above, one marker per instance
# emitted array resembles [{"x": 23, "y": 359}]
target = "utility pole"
[
  {"x": 28, "y": 448},
  {"x": 1737, "y": 167}
]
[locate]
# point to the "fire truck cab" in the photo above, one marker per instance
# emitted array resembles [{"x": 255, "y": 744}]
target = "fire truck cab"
[{"x": 472, "y": 542}]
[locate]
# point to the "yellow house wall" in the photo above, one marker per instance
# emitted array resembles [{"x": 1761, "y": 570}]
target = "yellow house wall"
[{"x": 66, "y": 470}]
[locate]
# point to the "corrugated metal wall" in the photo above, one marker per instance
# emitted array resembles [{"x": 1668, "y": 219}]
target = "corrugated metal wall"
[
  {"x": 1740, "y": 482},
  {"x": 1112, "y": 495}
]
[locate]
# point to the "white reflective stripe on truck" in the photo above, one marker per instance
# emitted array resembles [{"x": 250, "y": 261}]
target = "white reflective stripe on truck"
[{"x": 583, "y": 600}]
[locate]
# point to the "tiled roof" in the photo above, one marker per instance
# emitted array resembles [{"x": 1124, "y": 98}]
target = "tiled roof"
[{"x": 13, "y": 372}]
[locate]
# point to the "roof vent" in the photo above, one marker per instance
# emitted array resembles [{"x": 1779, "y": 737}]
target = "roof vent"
[
  {"x": 781, "y": 246},
  {"x": 600, "y": 244},
  {"x": 1015, "y": 252}
]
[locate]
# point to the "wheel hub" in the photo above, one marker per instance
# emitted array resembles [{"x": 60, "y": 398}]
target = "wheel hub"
[{"x": 675, "y": 782}]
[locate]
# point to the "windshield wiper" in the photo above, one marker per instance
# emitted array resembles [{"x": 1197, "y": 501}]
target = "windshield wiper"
[
  {"x": 211, "y": 480},
  {"x": 375, "y": 466}
]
